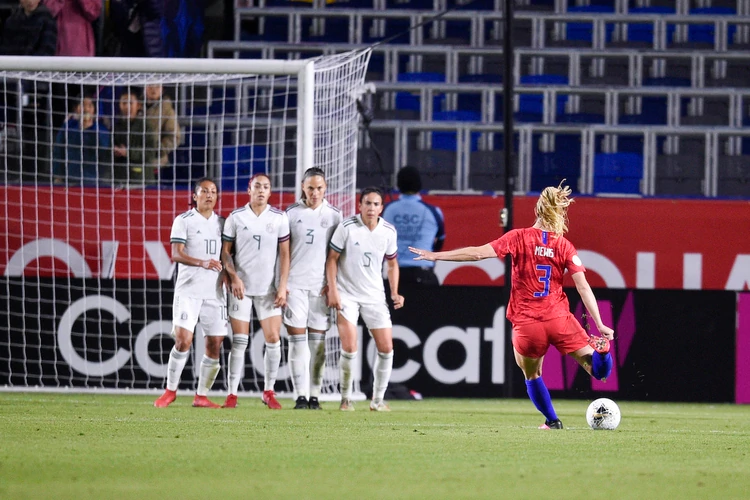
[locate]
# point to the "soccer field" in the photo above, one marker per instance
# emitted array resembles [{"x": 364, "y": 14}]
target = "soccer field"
[{"x": 99, "y": 446}]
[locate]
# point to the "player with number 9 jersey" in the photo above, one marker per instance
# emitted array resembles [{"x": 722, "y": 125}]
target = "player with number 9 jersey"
[
  {"x": 256, "y": 239},
  {"x": 255, "y": 236}
]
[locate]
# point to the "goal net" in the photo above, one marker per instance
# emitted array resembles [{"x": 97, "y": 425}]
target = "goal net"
[{"x": 98, "y": 156}]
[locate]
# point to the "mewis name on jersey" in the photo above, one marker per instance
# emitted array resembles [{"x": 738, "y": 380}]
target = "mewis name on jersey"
[{"x": 544, "y": 251}]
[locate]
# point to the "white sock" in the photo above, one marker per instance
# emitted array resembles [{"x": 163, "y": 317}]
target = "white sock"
[
  {"x": 317, "y": 344},
  {"x": 175, "y": 366},
  {"x": 382, "y": 374},
  {"x": 209, "y": 368},
  {"x": 237, "y": 362},
  {"x": 271, "y": 361},
  {"x": 299, "y": 364},
  {"x": 345, "y": 373}
]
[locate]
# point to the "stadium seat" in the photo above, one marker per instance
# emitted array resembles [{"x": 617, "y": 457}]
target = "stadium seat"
[
  {"x": 619, "y": 173},
  {"x": 548, "y": 169},
  {"x": 680, "y": 174},
  {"x": 734, "y": 176},
  {"x": 487, "y": 170},
  {"x": 438, "y": 168},
  {"x": 481, "y": 78},
  {"x": 533, "y": 104},
  {"x": 410, "y": 4},
  {"x": 580, "y": 118},
  {"x": 335, "y": 30},
  {"x": 239, "y": 163},
  {"x": 448, "y": 140},
  {"x": 373, "y": 170},
  {"x": 407, "y": 100}
]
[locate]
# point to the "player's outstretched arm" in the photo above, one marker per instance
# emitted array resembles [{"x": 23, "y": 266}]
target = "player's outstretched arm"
[
  {"x": 587, "y": 296},
  {"x": 460, "y": 254},
  {"x": 181, "y": 257}
]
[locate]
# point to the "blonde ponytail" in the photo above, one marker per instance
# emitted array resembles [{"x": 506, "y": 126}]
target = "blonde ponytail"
[{"x": 552, "y": 208}]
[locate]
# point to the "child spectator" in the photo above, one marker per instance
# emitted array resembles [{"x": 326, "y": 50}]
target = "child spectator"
[
  {"x": 80, "y": 146},
  {"x": 129, "y": 141}
]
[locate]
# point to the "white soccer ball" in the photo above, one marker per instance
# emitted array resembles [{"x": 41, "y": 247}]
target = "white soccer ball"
[{"x": 603, "y": 414}]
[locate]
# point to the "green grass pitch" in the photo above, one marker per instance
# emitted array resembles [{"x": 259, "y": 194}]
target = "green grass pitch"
[{"x": 81, "y": 446}]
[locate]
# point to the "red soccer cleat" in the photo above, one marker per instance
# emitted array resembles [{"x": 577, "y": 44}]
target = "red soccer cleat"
[
  {"x": 231, "y": 401},
  {"x": 166, "y": 399},
  {"x": 269, "y": 399},
  {"x": 203, "y": 402},
  {"x": 599, "y": 344}
]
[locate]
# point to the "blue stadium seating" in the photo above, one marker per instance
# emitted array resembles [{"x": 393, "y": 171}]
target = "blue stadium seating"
[
  {"x": 619, "y": 173},
  {"x": 239, "y": 163}
]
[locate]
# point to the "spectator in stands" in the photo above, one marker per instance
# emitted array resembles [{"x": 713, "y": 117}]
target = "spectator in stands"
[
  {"x": 162, "y": 128},
  {"x": 419, "y": 225},
  {"x": 80, "y": 146},
  {"x": 29, "y": 31},
  {"x": 129, "y": 142},
  {"x": 137, "y": 27},
  {"x": 75, "y": 33}
]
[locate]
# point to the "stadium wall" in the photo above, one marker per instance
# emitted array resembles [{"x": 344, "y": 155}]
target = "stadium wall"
[
  {"x": 624, "y": 243},
  {"x": 673, "y": 345}
]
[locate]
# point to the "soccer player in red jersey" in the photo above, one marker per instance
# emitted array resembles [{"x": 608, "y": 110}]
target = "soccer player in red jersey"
[{"x": 538, "y": 307}]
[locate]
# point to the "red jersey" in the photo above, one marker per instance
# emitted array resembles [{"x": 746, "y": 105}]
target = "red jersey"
[{"x": 540, "y": 259}]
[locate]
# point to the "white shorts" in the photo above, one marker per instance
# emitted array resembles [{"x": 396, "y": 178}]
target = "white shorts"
[
  {"x": 307, "y": 309},
  {"x": 243, "y": 309},
  {"x": 212, "y": 313},
  {"x": 374, "y": 315}
]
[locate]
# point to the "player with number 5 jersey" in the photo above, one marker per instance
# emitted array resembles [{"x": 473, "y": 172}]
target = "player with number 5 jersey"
[
  {"x": 355, "y": 287},
  {"x": 199, "y": 293},
  {"x": 538, "y": 307},
  {"x": 255, "y": 236}
]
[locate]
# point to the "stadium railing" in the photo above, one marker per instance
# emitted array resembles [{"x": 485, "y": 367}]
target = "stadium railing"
[
  {"x": 457, "y": 62},
  {"x": 597, "y": 31}
]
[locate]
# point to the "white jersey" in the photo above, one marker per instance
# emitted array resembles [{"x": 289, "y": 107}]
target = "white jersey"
[
  {"x": 361, "y": 262},
  {"x": 311, "y": 231},
  {"x": 256, "y": 241},
  {"x": 202, "y": 240}
]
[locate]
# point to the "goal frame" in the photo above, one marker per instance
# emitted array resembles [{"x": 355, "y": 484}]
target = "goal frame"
[{"x": 302, "y": 70}]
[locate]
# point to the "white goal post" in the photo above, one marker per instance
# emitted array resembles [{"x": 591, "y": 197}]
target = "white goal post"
[{"x": 99, "y": 155}]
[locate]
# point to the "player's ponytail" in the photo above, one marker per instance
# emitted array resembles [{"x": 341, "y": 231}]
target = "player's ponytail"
[{"x": 552, "y": 208}]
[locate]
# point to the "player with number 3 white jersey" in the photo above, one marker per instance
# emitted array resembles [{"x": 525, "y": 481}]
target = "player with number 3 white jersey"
[
  {"x": 254, "y": 237},
  {"x": 199, "y": 293},
  {"x": 306, "y": 316}
]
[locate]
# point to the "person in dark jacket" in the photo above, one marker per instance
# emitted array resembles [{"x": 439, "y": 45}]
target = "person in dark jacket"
[
  {"x": 137, "y": 25},
  {"x": 80, "y": 146},
  {"x": 29, "y": 31},
  {"x": 129, "y": 142}
]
